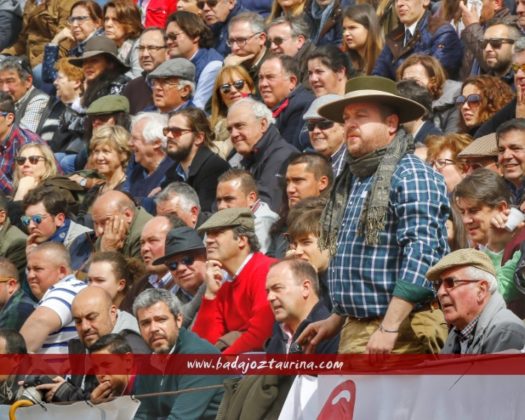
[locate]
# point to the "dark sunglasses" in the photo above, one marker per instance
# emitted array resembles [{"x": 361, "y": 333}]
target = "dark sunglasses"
[
  {"x": 278, "y": 40},
  {"x": 176, "y": 132},
  {"x": 496, "y": 42},
  {"x": 322, "y": 125},
  {"x": 227, "y": 87},
  {"x": 211, "y": 4},
  {"x": 33, "y": 160},
  {"x": 450, "y": 282},
  {"x": 37, "y": 219},
  {"x": 472, "y": 100},
  {"x": 188, "y": 260}
]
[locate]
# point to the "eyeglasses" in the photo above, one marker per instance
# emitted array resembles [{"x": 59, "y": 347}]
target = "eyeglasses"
[
  {"x": 496, "y": 42},
  {"x": 5, "y": 279},
  {"x": 516, "y": 67},
  {"x": 162, "y": 83},
  {"x": 73, "y": 19},
  {"x": 441, "y": 163},
  {"x": 278, "y": 40},
  {"x": 241, "y": 42},
  {"x": 33, "y": 160},
  {"x": 473, "y": 100},
  {"x": 211, "y": 4},
  {"x": 173, "y": 36},
  {"x": 450, "y": 282},
  {"x": 227, "y": 87},
  {"x": 143, "y": 48},
  {"x": 321, "y": 125},
  {"x": 176, "y": 132},
  {"x": 188, "y": 260},
  {"x": 37, "y": 219}
]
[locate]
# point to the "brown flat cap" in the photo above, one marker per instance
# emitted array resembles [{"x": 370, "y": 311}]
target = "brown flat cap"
[
  {"x": 485, "y": 146},
  {"x": 460, "y": 258},
  {"x": 229, "y": 218}
]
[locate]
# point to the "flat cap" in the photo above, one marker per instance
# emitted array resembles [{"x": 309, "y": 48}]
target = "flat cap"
[
  {"x": 460, "y": 258},
  {"x": 176, "y": 67},
  {"x": 229, "y": 218},
  {"x": 109, "y": 104},
  {"x": 485, "y": 146}
]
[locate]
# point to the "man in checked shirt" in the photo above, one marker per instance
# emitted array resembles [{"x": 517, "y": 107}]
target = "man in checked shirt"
[{"x": 384, "y": 226}]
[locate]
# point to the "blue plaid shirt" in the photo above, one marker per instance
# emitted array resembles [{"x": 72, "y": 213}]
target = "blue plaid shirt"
[{"x": 362, "y": 279}]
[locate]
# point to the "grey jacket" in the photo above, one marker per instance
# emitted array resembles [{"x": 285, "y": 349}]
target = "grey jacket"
[{"x": 498, "y": 329}]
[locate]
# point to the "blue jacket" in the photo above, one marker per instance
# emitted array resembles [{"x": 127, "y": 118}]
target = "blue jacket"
[
  {"x": 432, "y": 36},
  {"x": 289, "y": 116}
]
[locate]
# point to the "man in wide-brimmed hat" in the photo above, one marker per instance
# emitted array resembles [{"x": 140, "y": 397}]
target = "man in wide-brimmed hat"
[{"x": 384, "y": 226}]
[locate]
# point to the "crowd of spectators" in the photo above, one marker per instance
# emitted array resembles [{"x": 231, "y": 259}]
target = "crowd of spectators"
[{"x": 236, "y": 176}]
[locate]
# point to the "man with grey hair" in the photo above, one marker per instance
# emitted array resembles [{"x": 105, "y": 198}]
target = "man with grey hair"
[
  {"x": 247, "y": 40},
  {"x": 466, "y": 286},
  {"x": 516, "y": 107},
  {"x": 260, "y": 148},
  {"x": 291, "y": 36},
  {"x": 31, "y": 104},
  {"x": 173, "y": 85},
  {"x": 151, "y": 162},
  {"x": 180, "y": 199},
  {"x": 160, "y": 318}
]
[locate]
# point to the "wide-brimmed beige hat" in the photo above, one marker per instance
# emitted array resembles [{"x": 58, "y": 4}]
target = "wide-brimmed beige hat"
[
  {"x": 373, "y": 89},
  {"x": 482, "y": 147}
]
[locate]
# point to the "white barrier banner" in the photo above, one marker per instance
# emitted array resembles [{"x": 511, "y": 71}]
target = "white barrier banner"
[
  {"x": 403, "y": 397},
  {"x": 121, "y": 408}
]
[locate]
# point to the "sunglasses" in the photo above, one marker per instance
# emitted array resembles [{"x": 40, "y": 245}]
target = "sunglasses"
[
  {"x": 176, "y": 132},
  {"x": 211, "y": 4},
  {"x": 188, "y": 260},
  {"x": 37, "y": 219},
  {"x": 517, "y": 67},
  {"x": 321, "y": 125},
  {"x": 33, "y": 160},
  {"x": 227, "y": 87},
  {"x": 496, "y": 42},
  {"x": 278, "y": 40},
  {"x": 473, "y": 100},
  {"x": 450, "y": 282}
]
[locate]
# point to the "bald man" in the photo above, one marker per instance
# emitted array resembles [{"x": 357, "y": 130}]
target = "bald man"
[
  {"x": 118, "y": 223},
  {"x": 95, "y": 315}
]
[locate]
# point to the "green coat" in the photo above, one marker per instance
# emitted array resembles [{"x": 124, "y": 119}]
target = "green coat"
[
  {"x": 13, "y": 245},
  {"x": 131, "y": 246},
  {"x": 185, "y": 406}
]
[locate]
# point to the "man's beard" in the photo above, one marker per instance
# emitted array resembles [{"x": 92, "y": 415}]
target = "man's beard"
[{"x": 180, "y": 154}]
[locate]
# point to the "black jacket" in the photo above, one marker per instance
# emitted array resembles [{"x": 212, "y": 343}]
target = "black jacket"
[
  {"x": 267, "y": 163},
  {"x": 205, "y": 169}
]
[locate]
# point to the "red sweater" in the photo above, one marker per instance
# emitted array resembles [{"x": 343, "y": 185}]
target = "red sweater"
[{"x": 240, "y": 305}]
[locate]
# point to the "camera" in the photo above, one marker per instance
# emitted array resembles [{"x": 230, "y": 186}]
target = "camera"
[{"x": 28, "y": 390}]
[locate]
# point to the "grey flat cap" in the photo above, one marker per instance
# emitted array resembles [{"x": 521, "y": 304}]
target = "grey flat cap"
[{"x": 176, "y": 67}]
